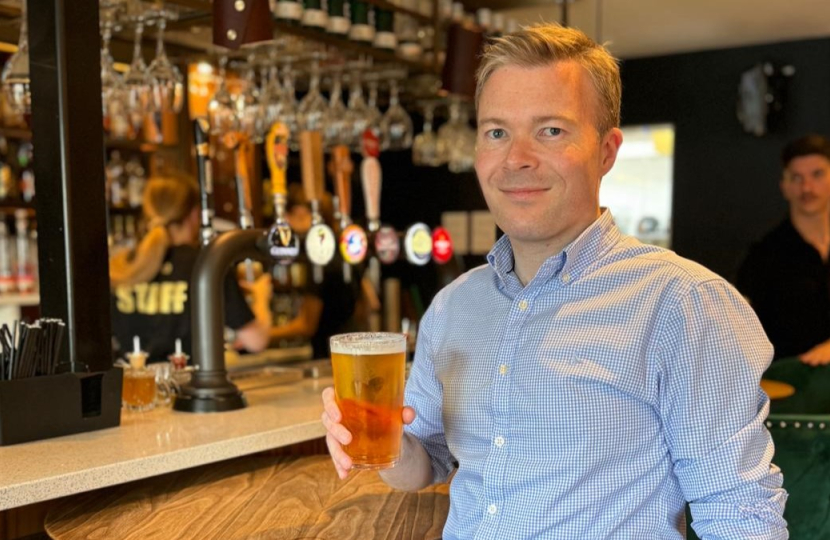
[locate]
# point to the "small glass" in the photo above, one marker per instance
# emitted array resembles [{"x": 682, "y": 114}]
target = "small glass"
[
  {"x": 368, "y": 372},
  {"x": 139, "y": 391}
]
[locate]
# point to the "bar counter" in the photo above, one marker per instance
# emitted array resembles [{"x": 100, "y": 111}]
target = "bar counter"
[{"x": 159, "y": 441}]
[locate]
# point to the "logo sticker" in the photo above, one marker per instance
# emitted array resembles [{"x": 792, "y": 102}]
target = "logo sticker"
[
  {"x": 418, "y": 244},
  {"x": 353, "y": 244},
  {"x": 441, "y": 245},
  {"x": 387, "y": 245},
  {"x": 320, "y": 244},
  {"x": 284, "y": 245}
]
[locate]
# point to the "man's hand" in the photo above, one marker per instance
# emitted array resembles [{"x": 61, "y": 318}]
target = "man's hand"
[
  {"x": 337, "y": 435},
  {"x": 818, "y": 355}
]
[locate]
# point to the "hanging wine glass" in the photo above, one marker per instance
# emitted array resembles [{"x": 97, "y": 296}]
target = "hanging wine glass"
[
  {"x": 357, "y": 113},
  {"x": 114, "y": 99},
  {"x": 221, "y": 109},
  {"x": 425, "y": 144},
  {"x": 138, "y": 83},
  {"x": 373, "y": 114},
  {"x": 396, "y": 125},
  {"x": 336, "y": 131},
  {"x": 313, "y": 110},
  {"x": 15, "y": 76},
  {"x": 289, "y": 107},
  {"x": 248, "y": 104},
  {"x": 456, "y": 139},
  {"x": 269, "y": 98},
  {"x": 167, "y": 82}
]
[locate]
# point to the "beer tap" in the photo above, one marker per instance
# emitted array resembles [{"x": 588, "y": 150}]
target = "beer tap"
[
  {"x": 418, "y": 244},
  {"x": 353, "y": 241},
  {"x": 319, "y": 241},
  {"x": 371, "y": 178},
  {"x": 240, "y": 144},
  {"x": 204, "y": 169},
  {"x": 285, "y": 246}
]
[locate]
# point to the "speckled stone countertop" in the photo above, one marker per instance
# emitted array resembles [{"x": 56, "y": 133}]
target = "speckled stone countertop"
[{"x": 158, "y": 442}]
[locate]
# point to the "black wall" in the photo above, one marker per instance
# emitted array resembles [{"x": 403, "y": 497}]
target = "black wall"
[{"x": 726, "y": 181}]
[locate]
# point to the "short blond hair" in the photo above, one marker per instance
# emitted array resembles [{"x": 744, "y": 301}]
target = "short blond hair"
[{"x": 543, "y": 44}]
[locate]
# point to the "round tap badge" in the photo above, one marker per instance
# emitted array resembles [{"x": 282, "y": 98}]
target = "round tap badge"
[
  {"x": 320, "y": 244},
  {"x": 353, "y": 244},
  {"x": 441, "y": 245},
  {"x": 418, "y": 244},
  {"x": 387, "y": 245},
  {"x": 284, "y": 244}
]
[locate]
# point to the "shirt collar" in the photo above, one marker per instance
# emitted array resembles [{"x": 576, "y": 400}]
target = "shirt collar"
[{"x": 592, "y": 243}]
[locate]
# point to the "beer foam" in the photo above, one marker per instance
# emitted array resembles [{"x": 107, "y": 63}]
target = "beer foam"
[{"x": 368, "y": 343}]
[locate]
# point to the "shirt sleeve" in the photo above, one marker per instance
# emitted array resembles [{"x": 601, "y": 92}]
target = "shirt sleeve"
[
  {"x": 713, "y": 352},
  {"x": 237, "y": 311},
  {"x": 424, "y": 393}
]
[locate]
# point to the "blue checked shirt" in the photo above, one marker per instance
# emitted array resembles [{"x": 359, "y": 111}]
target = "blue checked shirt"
[{"x": 593, "y": 402}]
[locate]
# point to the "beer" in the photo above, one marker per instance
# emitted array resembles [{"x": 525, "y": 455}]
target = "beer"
[
  {"x": 139, "y": 391},
  {"x": 368, "y": 384}
]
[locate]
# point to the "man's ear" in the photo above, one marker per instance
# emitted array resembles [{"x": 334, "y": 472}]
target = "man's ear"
[{"x": 609, "y": 147}]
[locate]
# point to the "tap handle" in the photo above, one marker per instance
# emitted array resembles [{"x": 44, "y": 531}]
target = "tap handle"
[
  {"x": 243, "y": 183},
  {"x": 204, "y": 171},
  {"x": 371, "y": 177},
  {"x": 341, "y": 168},
  {"x": 276, "y": 152},
  {"x": 311, "y": 157}
]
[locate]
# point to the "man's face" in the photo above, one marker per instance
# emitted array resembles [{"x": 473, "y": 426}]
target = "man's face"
[
  {"x": 806, "y": 185},
  {"x": 539, "y": 157}
]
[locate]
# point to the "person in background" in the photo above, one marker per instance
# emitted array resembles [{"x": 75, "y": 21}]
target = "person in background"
[
  {"x": 151, "y": 284},
  {"x": 786, "y": 275},
  {"x": 581, "y": 384},
  {"x": 322, "y": 309}
]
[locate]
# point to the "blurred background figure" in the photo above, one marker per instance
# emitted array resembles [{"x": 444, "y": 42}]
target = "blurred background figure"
[
  {"x": 150, "y": 284},
  {"x": 785, "y": 275}
]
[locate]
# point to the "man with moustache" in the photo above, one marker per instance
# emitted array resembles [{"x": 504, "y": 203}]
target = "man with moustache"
[
  {"x": 581, "y": 384},
  {"x": 785, "y": 276}
]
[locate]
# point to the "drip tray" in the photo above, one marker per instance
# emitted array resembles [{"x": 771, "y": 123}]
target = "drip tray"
[{"x": 251, "y": 379}]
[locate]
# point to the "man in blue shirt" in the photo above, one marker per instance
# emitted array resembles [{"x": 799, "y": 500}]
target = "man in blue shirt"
[{"x": 581, "y": 384}]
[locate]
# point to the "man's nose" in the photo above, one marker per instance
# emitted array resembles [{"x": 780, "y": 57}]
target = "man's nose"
[{"x": 521, "y": 154}]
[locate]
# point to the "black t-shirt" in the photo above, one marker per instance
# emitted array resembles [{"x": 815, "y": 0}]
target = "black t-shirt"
[
  {"x": 787, "y": 284},
  {"x": 339, "y": 300},
  {"x": 159, "y": 311}
]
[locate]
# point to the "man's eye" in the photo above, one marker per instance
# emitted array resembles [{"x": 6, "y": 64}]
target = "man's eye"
[
  {"x": 551, "y": 132},
  {"x": 497, "y": 133}
]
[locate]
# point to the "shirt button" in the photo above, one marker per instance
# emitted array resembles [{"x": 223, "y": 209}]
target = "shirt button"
[
  {"x": 492, "y": 509},
  {"x": 566, "y": 278},
  {"x": 523, "y": 305},
  {"x": 503, "y": 370},
  {"x": 499, "y": 441}
]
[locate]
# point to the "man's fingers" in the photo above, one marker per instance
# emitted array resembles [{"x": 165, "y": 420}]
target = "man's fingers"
[
  {"x": 408, "y": 415},
  {"x": 338, "y": 431},
  {"x": 330, "y": 405},
  {"x": 342, "y": 462}
]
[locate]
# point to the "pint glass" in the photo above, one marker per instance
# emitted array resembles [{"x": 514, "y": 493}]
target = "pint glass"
[{"x": 368, "y": 385}]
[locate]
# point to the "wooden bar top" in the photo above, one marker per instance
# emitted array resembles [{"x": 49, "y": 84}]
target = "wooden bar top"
[{"x": 272, "y": 498}]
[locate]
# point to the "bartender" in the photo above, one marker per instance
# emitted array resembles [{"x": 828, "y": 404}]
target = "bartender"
[
  {"x": 150, "y": 284},
  {"x": 786, "y": 275},
  {"x": 319, "y": 310}
]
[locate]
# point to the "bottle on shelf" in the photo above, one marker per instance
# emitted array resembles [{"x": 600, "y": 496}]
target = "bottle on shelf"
[
  {"x": 25, "y": 272},
  {"x": 117, "y": 181},
  {"x": 7, "y": 281},
  {"x": 27, "y": 176},
  {"x": 315, "y": 15},
  {"x": 288, "y": 11},
  {"x": 8, "y": 184},
  {"x": 406, "y": 30},
  {"x": 136, "y": 179},
  {"x": 385, "y": 30},
  {"x": 363, "y": 22},
  {"x": 339, "y": 20}
]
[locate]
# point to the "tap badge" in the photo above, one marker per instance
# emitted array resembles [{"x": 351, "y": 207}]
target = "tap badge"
[
  {"x": 387, "y": 245},
  {"x": 418, "y": 244},
  {"x": 284, "y": 245},
  {"x": 353, "y": 244},
  {"x": 441, "y": 245},
  {"x": 320, "y": 244}
]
